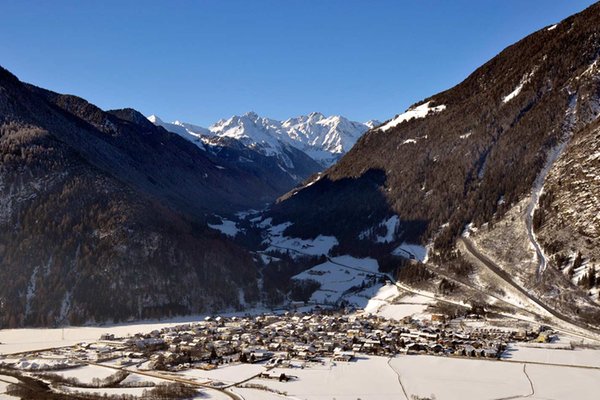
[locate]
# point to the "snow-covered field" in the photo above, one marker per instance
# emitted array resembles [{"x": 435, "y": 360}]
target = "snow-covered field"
[
  {"x": 383, "y": 297},
  {"x": 392, "y": 303},
  {"x": 86, "y": 373},
  {"x": 445, "y": 378},
  {"x": 368, "y": 378},
  {"x": 460, "y": 379},
  {"x": 226, "y": 227},
  {"x": 387, "y": 303},
  {"x": 414, "y": 251},
  {"x": 136, "y": 379},
  {"x": 400, "y": 311},
  {"x": 257, "y": 394},
  {"x": 338, "y": 276},
  {"x": 582, "y": 357},
  {"x": 564, "y": 383},
  {"x": 21, "y": 340},
  {"x": 321, "y": 245},
  {"x": 228, "y": 374}
]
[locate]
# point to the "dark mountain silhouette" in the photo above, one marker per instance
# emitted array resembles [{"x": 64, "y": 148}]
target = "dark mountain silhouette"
[{"x": 103, "y": 215}]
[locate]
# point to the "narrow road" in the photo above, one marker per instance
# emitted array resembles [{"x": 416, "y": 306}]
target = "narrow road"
[
  {"x": 493, "y": 268},
  {"x": 522, "y": 396},
  {"x": 508, "y": 279},
  {"x": 171, "y": 378},
  {"x": 399, "y": 379},
  {"x": 530, "y": 381}
]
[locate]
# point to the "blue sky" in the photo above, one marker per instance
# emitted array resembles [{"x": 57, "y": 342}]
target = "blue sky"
[{"x": 199, "y": 61}]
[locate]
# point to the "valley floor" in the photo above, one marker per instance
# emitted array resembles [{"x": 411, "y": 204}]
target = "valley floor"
[
  {"x": 567, "y": 368},
  {"x": 442, "y": 378},
  {"x": 526, "y": 370},
  {"x": 401, "y": 377}
]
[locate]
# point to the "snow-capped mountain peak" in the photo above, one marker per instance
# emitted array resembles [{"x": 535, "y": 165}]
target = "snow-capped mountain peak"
[
  {"x": 251, "y": 115},
  {"x": 372, "y": 123},
  {"x": 324, "y": 139},
  {"x": 155, "y": 120},
  {"x": 188, "y": 131}
]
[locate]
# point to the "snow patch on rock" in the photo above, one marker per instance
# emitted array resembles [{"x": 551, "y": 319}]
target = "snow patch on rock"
[
  {"x": 524, "y": 80},
  {"x": 420, "y": 111}
]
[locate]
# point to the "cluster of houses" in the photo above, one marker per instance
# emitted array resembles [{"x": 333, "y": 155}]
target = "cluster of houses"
[{"x": 341, "y": 337}]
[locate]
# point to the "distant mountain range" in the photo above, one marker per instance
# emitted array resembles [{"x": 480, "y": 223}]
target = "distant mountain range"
[
  {"x": 324, "y": 139},
  {"x": 116, "y": 211}
]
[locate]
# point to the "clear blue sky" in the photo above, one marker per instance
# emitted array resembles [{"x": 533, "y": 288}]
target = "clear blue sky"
[{"x": 199, "y": 61}]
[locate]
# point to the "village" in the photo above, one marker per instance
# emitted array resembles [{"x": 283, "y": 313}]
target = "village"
[
  {"x": 278, "y": 339},
  {"x": 244, "y": 356}
]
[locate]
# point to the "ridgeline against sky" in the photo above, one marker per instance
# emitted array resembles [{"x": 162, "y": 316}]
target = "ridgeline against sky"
[{"x": 206, "y": 60}]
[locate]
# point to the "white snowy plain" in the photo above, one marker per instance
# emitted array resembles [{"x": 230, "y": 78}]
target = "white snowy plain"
[
  {"x": 295, "y": 247},
  {"x": 581, "y": 357},
  {"x": 226, "y": 227},
  {"x": 86, "y": 373},
  {"x": 367, "y": 378},
  {"x": 405, "y": 377},
  {"x": 338, "y": 275},
  {"x": 32, "y": 339},
  {"x": 227, "y": 374},
  {"x": 387, "y": 303}
]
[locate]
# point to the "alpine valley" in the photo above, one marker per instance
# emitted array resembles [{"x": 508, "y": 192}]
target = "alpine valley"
[{"x": 484, "y": 197}]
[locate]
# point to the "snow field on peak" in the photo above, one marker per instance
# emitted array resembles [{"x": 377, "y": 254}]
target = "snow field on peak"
[{"x": 322, "y": 138}]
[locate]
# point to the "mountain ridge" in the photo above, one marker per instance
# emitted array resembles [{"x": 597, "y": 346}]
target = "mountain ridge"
[
  {"x": 324, "y": 139},
  {"x": 97, "y": 220},
  {"x": 478, "y": 155}
]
